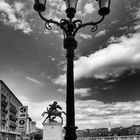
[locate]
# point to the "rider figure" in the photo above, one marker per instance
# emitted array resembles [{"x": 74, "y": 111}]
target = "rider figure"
[
  {"x": 53, "y": 107},
  {"x": 53, "y": 112}
]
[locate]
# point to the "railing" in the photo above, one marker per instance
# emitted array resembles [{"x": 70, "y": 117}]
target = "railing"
[
  {"x": 13, "y": 125},
  {"x": 13, "y": 110},
  {"x": 13, "y": 118},
  {"x": 4, "y": 103},
  {"x": 10, "y": 132},
  {"x": 135, "y": 137}
]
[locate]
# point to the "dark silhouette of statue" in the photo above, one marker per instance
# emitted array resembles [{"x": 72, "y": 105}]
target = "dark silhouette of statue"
[{"x": 53, "y": 112}]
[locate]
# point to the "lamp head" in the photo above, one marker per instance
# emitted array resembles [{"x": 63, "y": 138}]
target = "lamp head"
[
  {"x": 71, "y": 8},
  {"x": 40, "y": 5},
  {"x": 104, "y": 7}
]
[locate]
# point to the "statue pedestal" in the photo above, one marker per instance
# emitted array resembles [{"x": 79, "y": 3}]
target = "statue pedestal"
[{"x": 52, "y": 131}]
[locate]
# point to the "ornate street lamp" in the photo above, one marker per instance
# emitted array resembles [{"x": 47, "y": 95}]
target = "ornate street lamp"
[{"x": 70, "y": 27}]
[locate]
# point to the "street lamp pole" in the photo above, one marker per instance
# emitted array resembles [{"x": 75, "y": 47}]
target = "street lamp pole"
[
  {"x": 70, "y": 27},
  {"x": 70, "y": 45}
]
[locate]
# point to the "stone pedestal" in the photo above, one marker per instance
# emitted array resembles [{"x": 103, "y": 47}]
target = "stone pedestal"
[{"x": 52, "y": 131}]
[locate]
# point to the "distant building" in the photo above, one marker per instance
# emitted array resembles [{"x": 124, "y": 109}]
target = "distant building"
[
  {"x": 92, "y": 132},
  {"x": 134, "y": 130},
  {"x": 80, "y": 133},
  {"x": 104, "y": 132},
  {"x": 9, "y": 116},
  {"x": 117, "y": 131},
  {"x": 38, "y": 134},
  {"x": 31, "y": 128},
  {"x": 9, "y": 105}
]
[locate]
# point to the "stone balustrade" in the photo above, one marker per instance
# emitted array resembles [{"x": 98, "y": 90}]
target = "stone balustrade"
[{"x": 135, "y": 137}]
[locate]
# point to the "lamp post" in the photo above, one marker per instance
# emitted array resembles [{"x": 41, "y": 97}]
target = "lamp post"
[{"x": 70, "y": 27}]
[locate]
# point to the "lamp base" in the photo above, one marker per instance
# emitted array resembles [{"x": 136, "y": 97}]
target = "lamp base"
[{"x": 70, "y": 133}]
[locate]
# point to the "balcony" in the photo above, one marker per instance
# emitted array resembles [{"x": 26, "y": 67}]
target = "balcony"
[
  {"x": 4, "y": 111},
  {"x": 13, "y": 125},
  {"x": 3, "y": 121},
  {"x": 15, "y": 132},
  {"x": 4, "y": 103},
  {"x": 13, "y": 118},
  {"x": 13, "y": 110}
]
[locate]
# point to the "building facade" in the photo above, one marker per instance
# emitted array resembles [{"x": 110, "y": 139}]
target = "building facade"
[{"x": 9, "y": 106}]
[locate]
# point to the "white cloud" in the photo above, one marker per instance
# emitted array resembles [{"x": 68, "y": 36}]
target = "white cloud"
[
  {"x": 101, "y": 33},
  {"x": 18, "y": 6},
  {"x": 89, "y": 8},
  {"x": 137, "y": 27},
  {"x": 136, "y": 17},
  {"x": 85, "y": 36},
  {"x": 123, "y": 28},
  {"x": 112, "y": 61},
  {"x": 58, "y": 5},
  {"x": 85, "y": 8},
  {"x": 137, "y": 13},
  {"x": 95, "y": 114},
  {"x": 35, "y": 81},
  {"x": 106, "y": 88},
  {"x": 61, "y": 80},
  {"x": 83, "y": 92},
  {"x": 114, "y": 40},
  {"x": 81, "y": 36},
  {"x": 14, "y": 15}
]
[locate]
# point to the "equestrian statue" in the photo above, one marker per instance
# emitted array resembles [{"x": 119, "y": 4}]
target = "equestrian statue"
[{"x": 53, "y": 112}]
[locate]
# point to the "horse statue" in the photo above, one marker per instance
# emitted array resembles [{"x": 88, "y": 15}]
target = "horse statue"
[{"x": 53, "y": 112}]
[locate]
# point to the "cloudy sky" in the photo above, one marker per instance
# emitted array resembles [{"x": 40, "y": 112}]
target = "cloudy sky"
[{"x": 106, "y": 67}]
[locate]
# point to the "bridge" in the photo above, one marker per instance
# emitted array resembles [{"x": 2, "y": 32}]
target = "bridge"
[{"x": 134, "y": 137}]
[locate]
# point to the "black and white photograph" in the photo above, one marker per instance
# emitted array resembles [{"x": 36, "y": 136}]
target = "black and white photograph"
[{"x": 69, "y": 69}]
